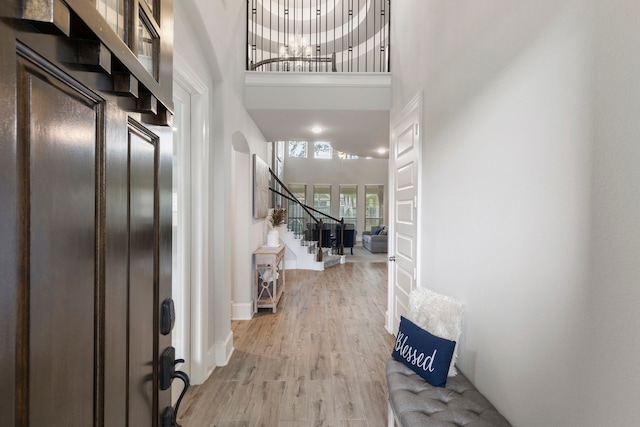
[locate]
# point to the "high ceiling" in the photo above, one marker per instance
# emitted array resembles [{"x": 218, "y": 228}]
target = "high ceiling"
[
  {"x": 361, "y": 132},
  {"x": 334, "y": 54},
  {"x": 352, "y": 109}
]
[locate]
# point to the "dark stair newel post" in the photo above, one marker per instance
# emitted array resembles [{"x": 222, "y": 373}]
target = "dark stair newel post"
[
  {"x": 319, "y": 253},
  {"x": 341, "y": 250}
]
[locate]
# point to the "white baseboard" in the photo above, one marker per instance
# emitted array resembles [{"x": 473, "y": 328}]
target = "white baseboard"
[
  {"x": 241, "y": 311},
  {"x": 388, "y": 323},
  {"x": 211, "y": 360},
  {"x": 223, "y": 350}
]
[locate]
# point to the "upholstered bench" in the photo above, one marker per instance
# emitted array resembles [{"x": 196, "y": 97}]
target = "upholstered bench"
[{"x": 414, "y": 402}]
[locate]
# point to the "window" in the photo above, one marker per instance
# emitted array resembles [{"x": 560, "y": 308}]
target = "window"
[
  {"x": 296, "y": 215},
  {"x": 113, "y": 11},
  {"x": 298, "y": 149},
  {"x": 322, "y": 150},
  {"x": 148, "y": 45},
  {"x": 342, "y": 156},
  {"x": 322, "y": 198},
  {"x": 374, "y": 206},
  {"x": 150, "y": 4},
  {"x": 300, "y": 191},
  {"x": 279, "y": 149},
  {"x": 348, "y": 203}
]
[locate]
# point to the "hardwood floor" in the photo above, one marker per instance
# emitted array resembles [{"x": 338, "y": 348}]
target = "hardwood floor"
[{"x": 319, "y": 361}]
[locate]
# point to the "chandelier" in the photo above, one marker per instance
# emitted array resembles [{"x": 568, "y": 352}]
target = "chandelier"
[
  {"x": 296, "y": 52},
  {"x": 297, "y": 48}
]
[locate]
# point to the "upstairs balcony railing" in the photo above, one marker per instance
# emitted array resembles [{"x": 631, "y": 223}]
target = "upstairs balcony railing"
[{"x": 318, "y": 35}]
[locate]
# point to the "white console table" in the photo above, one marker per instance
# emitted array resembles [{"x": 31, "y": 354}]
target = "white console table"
[{"x": 269, "y": 278}]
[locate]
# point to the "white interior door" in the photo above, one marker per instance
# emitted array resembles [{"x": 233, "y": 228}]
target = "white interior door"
[
  {"x": 404, "y": 161},
  {"x": 181, "y": 277}
]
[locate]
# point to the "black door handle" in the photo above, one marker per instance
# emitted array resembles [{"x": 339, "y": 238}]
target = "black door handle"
[
  {"x": 185, "y": 379},
  {"x": 167, "y": 374}
]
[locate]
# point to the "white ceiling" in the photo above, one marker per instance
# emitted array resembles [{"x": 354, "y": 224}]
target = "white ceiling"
[
  {"x": 354, "y": 132},
  {"x": 352, "y": 109}
]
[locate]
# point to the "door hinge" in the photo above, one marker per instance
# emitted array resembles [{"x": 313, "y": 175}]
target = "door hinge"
[{"x": 415, "y": 274}]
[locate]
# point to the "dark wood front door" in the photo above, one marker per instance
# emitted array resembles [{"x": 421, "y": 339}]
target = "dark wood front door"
[
  {"x": 56, "y": 306},
  {"x": 85, "y": 231}
]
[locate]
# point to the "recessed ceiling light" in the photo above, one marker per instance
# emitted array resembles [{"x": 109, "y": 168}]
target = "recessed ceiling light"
[
  {"x": 382, "y": 150},
  {"x": 316, "y": 129}
]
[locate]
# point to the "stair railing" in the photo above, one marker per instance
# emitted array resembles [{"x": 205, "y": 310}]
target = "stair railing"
[{"x": 319, "y": 218}]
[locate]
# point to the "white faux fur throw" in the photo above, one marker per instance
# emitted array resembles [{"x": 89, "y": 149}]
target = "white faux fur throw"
[{"x": 439, "y": 315}]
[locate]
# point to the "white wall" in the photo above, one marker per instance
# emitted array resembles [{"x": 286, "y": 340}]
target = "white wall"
[
  {"x": 360, "y": 172},
  {"x": 214, "y": 50},
  {"x": 530, "y": 196},
  {"x": 242, "y": 289},
  {"x": 613, "y": 385}
]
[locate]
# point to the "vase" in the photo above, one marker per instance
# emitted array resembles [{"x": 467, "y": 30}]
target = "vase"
[{"x": 273, "y": 237}]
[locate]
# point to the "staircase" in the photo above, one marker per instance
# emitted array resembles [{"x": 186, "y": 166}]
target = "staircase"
[
  {"x": 309, "y": 234},
  {"x": 301, "y": 254}
]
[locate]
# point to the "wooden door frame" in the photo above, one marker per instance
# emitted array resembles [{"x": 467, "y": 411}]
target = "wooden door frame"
[{"x": 415, "y": 105}]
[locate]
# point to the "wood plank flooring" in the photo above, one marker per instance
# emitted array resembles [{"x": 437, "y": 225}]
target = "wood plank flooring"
[{"x": 319, "y": 361}]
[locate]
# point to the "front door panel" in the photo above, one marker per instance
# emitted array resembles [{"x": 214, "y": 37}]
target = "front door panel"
[
  {"x": 141, "y": 279},
  {"x": 58, "y": 146}
]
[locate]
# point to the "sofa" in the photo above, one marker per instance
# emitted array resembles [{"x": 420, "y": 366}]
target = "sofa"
[{"x": 375, "y": 241}]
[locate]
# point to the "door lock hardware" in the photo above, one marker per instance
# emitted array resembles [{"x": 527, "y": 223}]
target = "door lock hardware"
[
  {"x": 392, "y": 259},
  {"x": 167, "y": 367},
  {"x": 168, "y": 316}
]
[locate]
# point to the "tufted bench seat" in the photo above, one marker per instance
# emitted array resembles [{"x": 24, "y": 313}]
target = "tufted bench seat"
[{"x": 414, "y": 402}]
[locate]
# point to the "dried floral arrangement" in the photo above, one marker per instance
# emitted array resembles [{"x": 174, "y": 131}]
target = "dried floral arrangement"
[{"x": 277, "y": 217}]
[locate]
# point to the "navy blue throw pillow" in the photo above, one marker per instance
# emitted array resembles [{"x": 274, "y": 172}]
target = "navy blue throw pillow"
[{"x": 427, "y": 355}]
